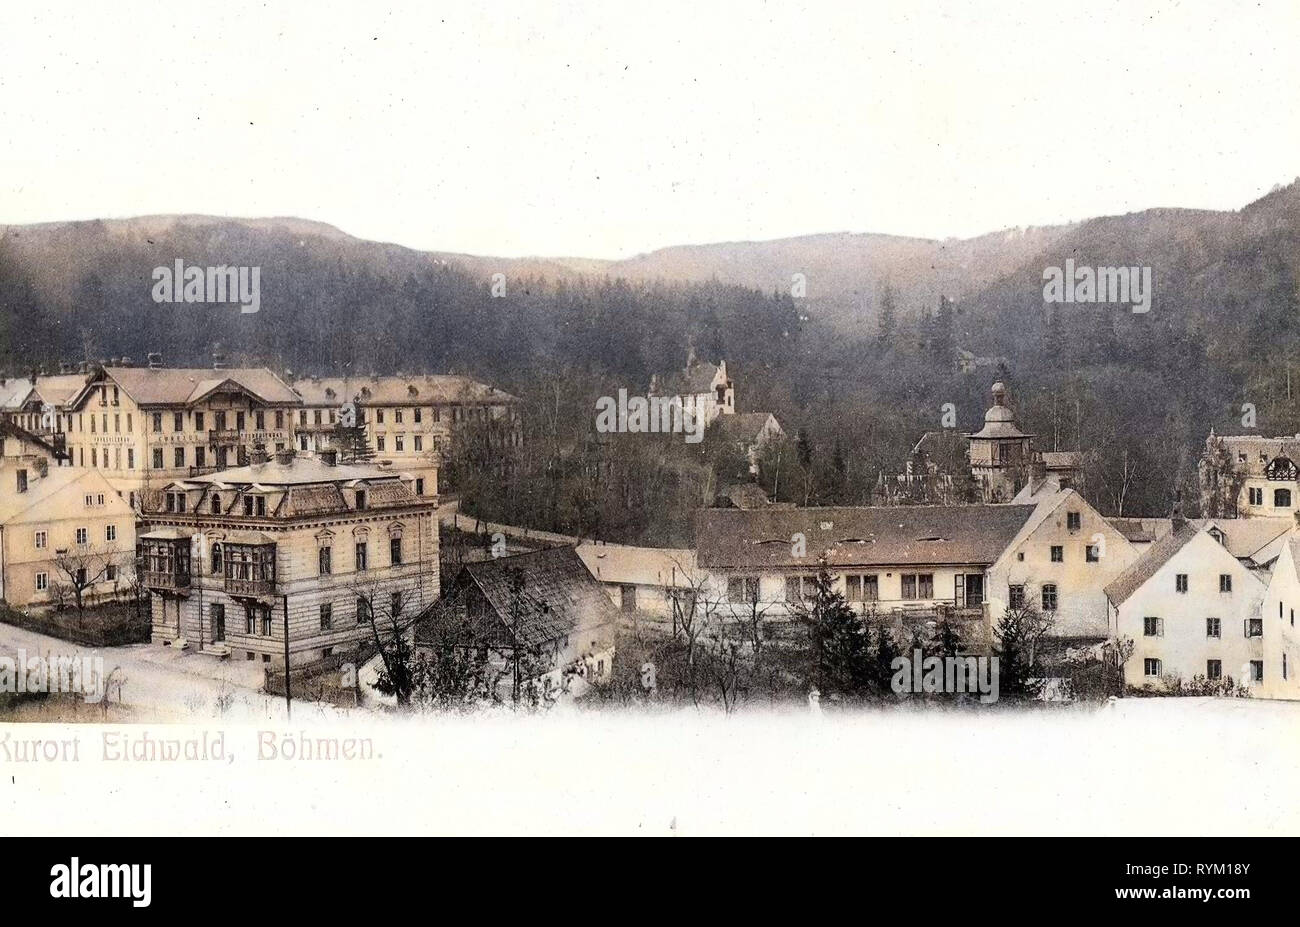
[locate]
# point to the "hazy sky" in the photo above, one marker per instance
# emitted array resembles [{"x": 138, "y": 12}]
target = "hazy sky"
[{"x": 609, "y": 128}]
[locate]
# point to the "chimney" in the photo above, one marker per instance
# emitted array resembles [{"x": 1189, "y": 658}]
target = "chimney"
[
  {"x": 284, "y": 458},
  {"x": 329, "y": 457},
  {"x": 155, "y": 360}
]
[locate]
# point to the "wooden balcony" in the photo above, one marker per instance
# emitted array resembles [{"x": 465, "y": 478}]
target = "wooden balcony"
[
  {"x": 250, "y": 588},
  {"x": 167, "y": 582}
]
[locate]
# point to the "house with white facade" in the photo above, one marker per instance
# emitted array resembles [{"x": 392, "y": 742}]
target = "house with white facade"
[
  {"x": 1060, "y": 562},
  {"x": 1278, "y": 623},
  {"x": 1192, "y": 609}
]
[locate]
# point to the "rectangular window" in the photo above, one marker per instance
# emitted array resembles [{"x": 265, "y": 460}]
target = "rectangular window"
[
  {"x": 397, "y": 416},
  {"x": 797, "y": 588},
  {"x": 1213, "y": 627},
  {"x": 198, "y": 421},
  {"x": 379, "y": 443},
  {"x": 41, "y": 540},
  {"x": 324, "y": 560},
  {"x": 397, "y": 603},
  {"x": 157, "y": 458},
  {"x": 1256, "y": 495},
  {"x": 1213, "y": 669},
  {"x": 130, "y": 458},
  {"x": 1256, "y": 670},
  {"x": 179, "y": 455},
  {"x": 909, "y": 585},
  {"x": 361, "y": 555},
  {"x": 83, "y": 535},
  {"x": 259, "y": 420},
  {"x": 1151, "y": 667},
  {"x": 42, "y": 582},
  {"x": 419, "y": 442},
  {"x": 1016, "y": 596},
  {"x": 1225, "y": 582},
  {"x": 1058, "y": 553},
  {"x": 1049, "y": 597},
  {"x": 178, "y": 421},
  {"x": 363, "y": 609},
  {"x": 741, "y": 590},
  {"x": 326, "y": 616},
  {"x": 1153, "y": 627},
  {"x": 279, "y": 420},
  {"x": 1180, "y": 582},
  {"x": 1073, "y": 521},
  {"x": 157, "y": 422},
  {"x": 862, "y": 588},
  {"x": 399, "y": 443},
  {"x": 1254, "y": 627},
  {"x": 1091, "y": 554},
  {"x": 418, "y": 418},
  {"x": 395, "y": 550},
  {"x": 379, "y": 416},
  {"x": 110, "y": 533},
  {"x": 200, "y": 456}
]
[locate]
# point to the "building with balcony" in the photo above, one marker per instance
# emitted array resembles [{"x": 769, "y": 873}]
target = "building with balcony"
[
  {"x": 290, "y": 555},
  {"x": 409, "y": 421},
  {"x": 143, "y": 427}
]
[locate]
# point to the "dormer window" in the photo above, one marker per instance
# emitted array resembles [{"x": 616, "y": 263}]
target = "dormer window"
[
  {"x": 361, "y": 499},
  {"x": 216, "y": 505}
]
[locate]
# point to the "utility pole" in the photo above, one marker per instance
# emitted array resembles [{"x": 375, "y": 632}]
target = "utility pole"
[{"x": 288, "y": 712}]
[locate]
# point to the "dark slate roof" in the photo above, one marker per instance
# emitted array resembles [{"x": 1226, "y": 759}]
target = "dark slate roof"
[
  {"x": 853, "y": 536},
  {"x": 559, "y": 595},
  {"x": 742, "y": 426},
  {"x": 1146, "y": 566}
]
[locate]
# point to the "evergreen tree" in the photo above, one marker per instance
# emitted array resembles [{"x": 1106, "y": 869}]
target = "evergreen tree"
[
  {"x": 1015, "y": 640},
  {"x": 841, "y": 646}
]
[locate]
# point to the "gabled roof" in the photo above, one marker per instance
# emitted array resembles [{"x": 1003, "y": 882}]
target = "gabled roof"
[
  {"x": 858, "y": 536},
  {"x": 1245, "y": 537},
  {"x": 1157, "y": 555},
  {"x": 397, "y": 391},
  {"x": 75, "y": 482},
  {"x": 558, "y": 596},
  {"x": 743, "y": 426},
  {"x": 59, "y": 388},
  {"x": 11, "y": 430},
  {"x": 1141, "y": 530},
  {"x": 174, "y": 386}
]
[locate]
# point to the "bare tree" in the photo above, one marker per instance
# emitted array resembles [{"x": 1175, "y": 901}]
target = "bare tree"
[{"x": 83, "y": 566}]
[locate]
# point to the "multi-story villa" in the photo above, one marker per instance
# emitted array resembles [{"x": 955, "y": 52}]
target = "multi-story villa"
[
  {"x": 1249, "y": 476},
  {"x": 144, "y": 427},
  {"x": 289, "y": 557},
  {"x": 408, "y": 421}
]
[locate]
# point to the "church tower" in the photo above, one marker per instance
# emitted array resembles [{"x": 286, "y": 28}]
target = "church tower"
[{"x": 1000, "y": 453}]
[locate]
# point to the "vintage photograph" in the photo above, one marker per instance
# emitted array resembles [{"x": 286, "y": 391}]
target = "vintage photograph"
[{"x": 886, "y": 409}]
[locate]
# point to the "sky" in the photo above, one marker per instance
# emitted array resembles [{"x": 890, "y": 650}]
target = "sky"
[{"x": 608, "y": 129}]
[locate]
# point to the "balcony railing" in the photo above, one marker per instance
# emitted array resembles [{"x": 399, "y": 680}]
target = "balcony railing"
[
  {"x": 251, "y": 588},
  {"x": 168, "y": 582},
  {"x": 223, "y": 436}
]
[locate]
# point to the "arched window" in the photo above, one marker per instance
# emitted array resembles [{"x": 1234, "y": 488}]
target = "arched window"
[{"x": 216, "y": 505}]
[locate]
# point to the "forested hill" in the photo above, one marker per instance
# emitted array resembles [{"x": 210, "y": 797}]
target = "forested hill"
[{"x": 863, "y": 363}]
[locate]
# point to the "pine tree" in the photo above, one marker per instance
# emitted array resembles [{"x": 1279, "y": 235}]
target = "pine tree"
[
  {"x": 352, "y": 442},
  {"x": 841, "y": 646},
  {"x": 947, "y": 640}
]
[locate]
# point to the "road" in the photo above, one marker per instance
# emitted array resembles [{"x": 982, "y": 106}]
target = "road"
[{"x": 160, "y": 684}]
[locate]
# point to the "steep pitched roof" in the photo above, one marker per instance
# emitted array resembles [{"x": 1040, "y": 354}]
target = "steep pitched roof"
[
  {"x": 1141, "y": 530},
  {"x": 180, "y": 385},
  {"x": 1245, "y": 537},
  {"x": 15, "y": 506},
  {"x": 558, "y": 596},
  {"x": 743, "y": 426},
  {"x": 853, "y": 536},
  {"x": 1157, "y": 555}
]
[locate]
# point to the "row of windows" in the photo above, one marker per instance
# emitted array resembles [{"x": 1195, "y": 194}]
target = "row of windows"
[
  {"x": 360, "y": 556},
  {"x": 1091, "y": 552},
  {"x": 257, "y": 618},
  {"x": 1153, "y": 668},
  {"x": 858, "y": 587},
  {"x": 41, "y": 537},
  {"x": 1016, "y": 597},
  {"x": 1181, "y": 582},
  {"x": 1281, "y": 497},
  {"x": 1153, "y": 626},
  {"x": 43, "y": 579}
]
